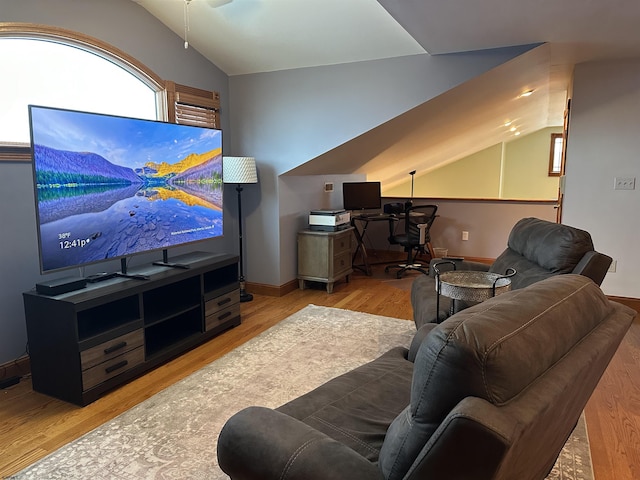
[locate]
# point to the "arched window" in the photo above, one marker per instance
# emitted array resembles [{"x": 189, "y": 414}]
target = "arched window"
[
  {"x": 55, "y": 67},
  {"x": 56, "y": 75}
]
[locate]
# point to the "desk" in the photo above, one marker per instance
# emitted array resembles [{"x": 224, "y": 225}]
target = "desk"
[{"x": 360, "y": 224}]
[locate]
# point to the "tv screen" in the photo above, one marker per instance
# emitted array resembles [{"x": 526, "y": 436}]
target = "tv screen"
[
  {"x": 107, "y": 187},
  {"x": 361, "y": 195}
]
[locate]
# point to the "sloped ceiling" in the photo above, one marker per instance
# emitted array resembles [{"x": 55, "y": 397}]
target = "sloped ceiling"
[
  {"x": 462, "y": 121},
  {"x": 250, "y": 36}
]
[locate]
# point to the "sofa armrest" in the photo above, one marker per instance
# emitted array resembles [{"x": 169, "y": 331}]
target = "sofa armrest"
[
  {"x": 420, "y": 335},
  {"x": 261, "y": 443},
  {"x": 593, "y": 265},
  {"x": 476, "y": 431}
]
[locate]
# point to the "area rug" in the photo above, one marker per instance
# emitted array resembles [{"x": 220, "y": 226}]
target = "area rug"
[{"x": 173, "y": 434}]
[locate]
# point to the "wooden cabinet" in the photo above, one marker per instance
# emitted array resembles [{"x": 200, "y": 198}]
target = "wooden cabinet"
[
  {"x": 324, "y": 256},
  {"x": 86, "y": 342}
]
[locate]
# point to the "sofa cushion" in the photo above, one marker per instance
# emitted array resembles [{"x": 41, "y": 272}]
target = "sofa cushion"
[
  {"x": 357, "y": 408},
  {"x": 478, "y": 353},
  {"x": 551, "y": 246}
]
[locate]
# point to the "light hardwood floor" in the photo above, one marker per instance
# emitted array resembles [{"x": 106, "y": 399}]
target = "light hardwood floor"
[{"x": 33, "y": 425}]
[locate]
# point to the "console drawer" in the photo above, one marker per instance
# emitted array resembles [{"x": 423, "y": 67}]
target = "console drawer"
[
  {"x": 111, "y": 349},
  {"x": 221, "y": 316},
  {"x": 223, "y": 301},
  {"x": 342, "y": 264},
  {"x": 342, "y": 243},
  {"x": 106, "y": 370}
]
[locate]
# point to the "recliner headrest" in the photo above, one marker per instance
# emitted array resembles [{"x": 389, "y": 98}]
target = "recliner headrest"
[{"x": 557, "y": 248}]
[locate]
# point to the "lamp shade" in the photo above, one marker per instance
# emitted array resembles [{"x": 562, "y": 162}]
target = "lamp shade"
[{"x": 239, "y": 170}]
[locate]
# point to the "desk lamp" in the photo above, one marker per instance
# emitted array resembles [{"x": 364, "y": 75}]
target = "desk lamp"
[{"x": 240, "y": 170}]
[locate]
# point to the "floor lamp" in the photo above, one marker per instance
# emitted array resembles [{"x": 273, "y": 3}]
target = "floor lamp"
[
  {"x": 409, "y": 203},
  {"x": 240, "y": 170}
]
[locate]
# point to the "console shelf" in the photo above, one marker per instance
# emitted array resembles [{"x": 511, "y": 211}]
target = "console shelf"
[{"x": 87, "y": 342}]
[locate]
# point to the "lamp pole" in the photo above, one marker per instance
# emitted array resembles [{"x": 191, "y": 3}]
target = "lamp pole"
[
  {"x": 410, "y": 202},
  {"x": 244, "y": 296},
  {"x": 240, "y": 171}
]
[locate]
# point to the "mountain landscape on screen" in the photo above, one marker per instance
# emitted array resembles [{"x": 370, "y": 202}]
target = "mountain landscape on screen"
[{"x": 115, "y": 186}]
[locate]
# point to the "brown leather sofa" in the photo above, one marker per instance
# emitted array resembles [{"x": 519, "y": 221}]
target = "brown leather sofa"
[
  {"x": 493, "y": 392},
  {"x": 536, "y": 249}
]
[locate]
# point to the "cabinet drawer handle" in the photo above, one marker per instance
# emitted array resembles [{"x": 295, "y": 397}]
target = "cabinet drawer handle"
[
  {"x": 222, "y": 302},
  {"x": 115, "y": 347},
  {"x": 115, "y": 367},
  {"x": 224, "y": 315}
]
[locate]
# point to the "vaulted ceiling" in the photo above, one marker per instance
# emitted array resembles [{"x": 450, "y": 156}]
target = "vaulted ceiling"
[{"x": 251, "y": 36}]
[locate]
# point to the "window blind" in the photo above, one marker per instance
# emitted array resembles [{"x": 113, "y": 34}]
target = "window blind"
[
  {"x": 192, "y": 106},
  {"x": 15, "y": 152}
]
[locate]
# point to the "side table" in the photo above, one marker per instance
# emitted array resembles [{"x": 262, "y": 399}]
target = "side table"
[
  {"x": 469, "y": 285},
  {"x": 324, "y": 256}
]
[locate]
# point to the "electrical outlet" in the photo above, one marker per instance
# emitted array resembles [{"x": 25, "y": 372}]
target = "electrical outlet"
[
  {"x": 465, "y": 235},
  {"x": 612, "y": 267},
  {"x": 624, "y": 183}
]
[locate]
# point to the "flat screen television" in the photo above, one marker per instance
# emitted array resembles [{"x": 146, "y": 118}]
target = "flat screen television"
[
  {"x": 108, "y": 187},
  {"x": 361, "y": 195}
]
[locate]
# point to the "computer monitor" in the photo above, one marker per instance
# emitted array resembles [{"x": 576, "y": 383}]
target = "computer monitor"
[{"x": 361, "y": 195}]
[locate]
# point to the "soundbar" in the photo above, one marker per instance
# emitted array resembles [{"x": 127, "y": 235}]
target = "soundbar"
[{"x": 59, "y": 286}]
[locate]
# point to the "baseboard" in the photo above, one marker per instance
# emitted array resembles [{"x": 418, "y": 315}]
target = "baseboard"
[
  {"x": 15, "y": 368},
  {"x": 629, "y": 302},
  {"x": 488, "y": 261},
  {"x": 272, "y": 290}
]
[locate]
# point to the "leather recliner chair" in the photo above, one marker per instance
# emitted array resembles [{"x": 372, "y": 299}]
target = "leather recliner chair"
[
  {"x": 493, "y": 392},
  {"x": 536, "y": 249}
]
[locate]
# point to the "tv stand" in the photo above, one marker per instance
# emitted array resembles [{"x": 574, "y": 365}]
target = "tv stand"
[
  {"x": 166, "y": 263},
  {"x": 123, "y": 272},
  {"x": 87, "y": 342},
  {"x": 135, "y": 276}
]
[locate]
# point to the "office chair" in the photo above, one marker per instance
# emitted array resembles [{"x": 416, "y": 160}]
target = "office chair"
[{"x": 417, "y": 223}]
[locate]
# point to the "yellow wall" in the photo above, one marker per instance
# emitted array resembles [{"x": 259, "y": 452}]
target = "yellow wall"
[
  {"x": 475, "y": 176},
  {"x": 523, "y": 173},
  {"x": 526, "y": 167}
]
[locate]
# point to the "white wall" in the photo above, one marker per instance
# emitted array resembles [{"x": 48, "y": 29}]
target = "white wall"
[
  {"x": 287, "y": 118},
  {"x": 298, "y": 196},
  {"x": 604, "y": 143}
]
